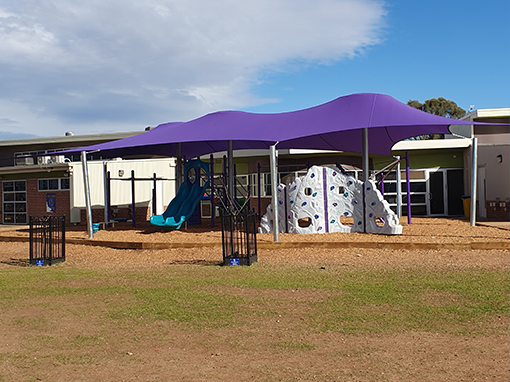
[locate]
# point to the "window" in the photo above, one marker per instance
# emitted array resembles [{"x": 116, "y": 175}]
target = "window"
[
  {"x": 14, "y": 202},
  {"x": 53, "y": 184}
]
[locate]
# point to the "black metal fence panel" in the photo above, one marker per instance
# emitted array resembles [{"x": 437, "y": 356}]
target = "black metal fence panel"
[
  {"x": 239, "y": 237},
  {"x": 47, "y": 240}
]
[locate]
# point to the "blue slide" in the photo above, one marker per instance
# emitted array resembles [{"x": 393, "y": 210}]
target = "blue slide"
[{"x": 189, "y": 194}]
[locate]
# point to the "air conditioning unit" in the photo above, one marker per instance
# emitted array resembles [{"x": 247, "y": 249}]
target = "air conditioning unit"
[
  {"x": 43, "y": 160},
  {"x": 57, "y": 159},
  {"x": 28, "y": 161}
]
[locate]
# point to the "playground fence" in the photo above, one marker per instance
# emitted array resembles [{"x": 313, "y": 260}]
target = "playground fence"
[
  {"x": 239, "y": 237},
  {"x": 47, "y": 240}
]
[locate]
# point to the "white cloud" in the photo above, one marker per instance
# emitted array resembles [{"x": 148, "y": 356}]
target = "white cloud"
[{"x": 122, "y": 65}]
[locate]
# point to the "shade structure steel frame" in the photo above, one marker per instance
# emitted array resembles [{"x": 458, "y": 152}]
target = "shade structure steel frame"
[{"x": 363, "y": 123}]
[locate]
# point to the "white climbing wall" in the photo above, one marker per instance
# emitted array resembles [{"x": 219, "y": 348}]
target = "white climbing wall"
[{"x": 325, "y": 200}]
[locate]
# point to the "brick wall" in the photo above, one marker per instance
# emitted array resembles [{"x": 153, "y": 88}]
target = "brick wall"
[
  {"x": 499, "y": 211},
  {"x": 36, "y": 201}
]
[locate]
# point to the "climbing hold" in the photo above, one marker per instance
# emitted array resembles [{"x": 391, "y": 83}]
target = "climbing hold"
[
  {"x": 370, "y": 214},
  {"x": 346, "y": 194},
  {"x": 319, "y": 228},
  {"x": 355, "y": 201},
  {"x": 295, "y": 187},
  {"x": 280, "y": 201},
  {"x": 316, "y": 216},
  {"x": 349, "y": 182},
  {"x": 332, "y": 187},
  {"x": 304, "y": 204},
  {"x": 373, "y": 203},
  {"x": 335, "y": 204},
  {"x": 368, "y": 188},
  {"x": 291, "y": 201},
  {"x": 314, "y": 194},
  {"x": 359, "y": 223},
  {"x": 334, "y": 173},
  {"x": 332, "y": 221},
  {"x": 312, "y": 176},
  {"x": 346, "y": 213}
]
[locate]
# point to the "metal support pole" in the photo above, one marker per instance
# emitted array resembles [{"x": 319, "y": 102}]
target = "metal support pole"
[
  {"x": 259, "y": 189},
  {"x": 133, "y": 203},
  {"x": 105, "y": 193},
  {"x": 408, "y": 182},
  {"x": 366, "y": 169},
  {"x": 399, "y": 189},
  {"x": 109, "y": 195},
  {"x": 474, "y": 174},
  {"x": 211, "y": 182},
  {"x": 154, "y": 195},
  {"x": 274, "y": 189},
  {"x": 178, "y": 168},
  {"x": 230, "y": 158},
  {"x": 88, "y": 204}
]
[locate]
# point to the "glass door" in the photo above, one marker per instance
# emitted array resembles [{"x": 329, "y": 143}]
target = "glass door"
[{"x": 436, "y": 200}]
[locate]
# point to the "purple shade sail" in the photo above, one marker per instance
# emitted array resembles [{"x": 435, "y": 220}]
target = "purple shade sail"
[{"x": 335, "y": 125}]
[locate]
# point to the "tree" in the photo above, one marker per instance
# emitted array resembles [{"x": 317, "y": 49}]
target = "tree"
[{"x": 438, "y": 106}]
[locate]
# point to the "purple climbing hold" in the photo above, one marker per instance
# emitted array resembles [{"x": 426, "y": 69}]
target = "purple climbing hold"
[
  {"x": 334, "y": 173},
  {"x": 370, "y": 214},
  {"x": 355, "y": 201},
  {"x": 335, "y": 204},
  {"x": 319, "y": 228}
]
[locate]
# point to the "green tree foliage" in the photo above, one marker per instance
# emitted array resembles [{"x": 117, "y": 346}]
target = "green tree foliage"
[{"x": 438, "y": 106}]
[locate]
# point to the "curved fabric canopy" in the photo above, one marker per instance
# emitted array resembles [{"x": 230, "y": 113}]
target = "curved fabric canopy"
[{"x": 335, "y": 125}]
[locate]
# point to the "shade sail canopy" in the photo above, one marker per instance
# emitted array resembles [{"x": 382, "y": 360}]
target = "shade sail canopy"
[{"x": 335, "y": 125}]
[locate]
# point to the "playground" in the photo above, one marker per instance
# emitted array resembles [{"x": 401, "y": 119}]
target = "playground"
[{"x": 329, "y": 307}]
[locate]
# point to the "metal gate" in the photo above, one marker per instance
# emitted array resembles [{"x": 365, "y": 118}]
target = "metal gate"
[{"x": 47, "y": 240}]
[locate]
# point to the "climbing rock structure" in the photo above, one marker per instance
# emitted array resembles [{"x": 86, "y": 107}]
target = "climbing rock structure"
[{"x": 326, "y": 200}]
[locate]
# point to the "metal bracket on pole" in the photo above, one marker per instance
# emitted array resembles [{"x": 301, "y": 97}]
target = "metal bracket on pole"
[
  {"x": 474, "y": 174},
  {"x": 273, "y": 158}
]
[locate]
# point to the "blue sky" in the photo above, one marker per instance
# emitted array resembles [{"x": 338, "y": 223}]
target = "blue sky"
[{"x": 97, "y": 66}]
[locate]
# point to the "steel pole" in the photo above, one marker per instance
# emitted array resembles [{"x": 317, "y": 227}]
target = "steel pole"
[
  {"x": 88, "y": 204},
  {"x": 273, "y": 159},
  {"x": 399, "y": 189},
  {"x": 366, "y": 169},
  {"x": 474, "y": 174}
]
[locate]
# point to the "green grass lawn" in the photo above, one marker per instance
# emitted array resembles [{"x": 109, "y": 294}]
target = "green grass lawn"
[{"x": 333, "y": 299}]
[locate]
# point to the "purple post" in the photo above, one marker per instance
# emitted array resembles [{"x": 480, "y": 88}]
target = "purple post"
[
  {"x": 259, "y": 190},
  {"x": 325, "y": 192},
  {"x": 211, "y": 180},
  {"x": 133, "y": 204},
  {"x": 408, "y": 189},
  {"x": 108, "y": 197}
]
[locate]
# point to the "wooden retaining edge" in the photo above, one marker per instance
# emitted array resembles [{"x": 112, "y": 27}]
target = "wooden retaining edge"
[{"x": 281, "y": 245}]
